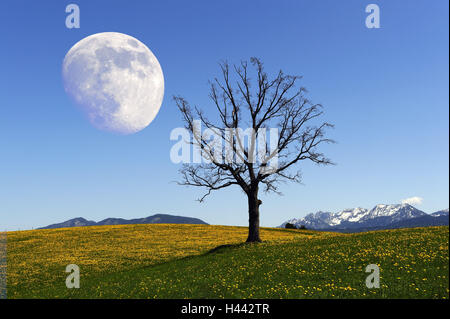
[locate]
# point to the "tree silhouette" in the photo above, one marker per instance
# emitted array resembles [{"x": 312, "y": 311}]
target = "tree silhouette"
[{"x": 272, "y": 103}]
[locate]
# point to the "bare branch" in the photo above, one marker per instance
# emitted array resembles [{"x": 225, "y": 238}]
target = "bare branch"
[{"x": 262, "y": 103}]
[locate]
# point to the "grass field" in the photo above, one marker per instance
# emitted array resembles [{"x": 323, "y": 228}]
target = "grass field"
[{"x": 180, "y": 261}]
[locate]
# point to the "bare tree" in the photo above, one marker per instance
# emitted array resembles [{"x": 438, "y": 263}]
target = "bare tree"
[{"x": 277, "y": 102}]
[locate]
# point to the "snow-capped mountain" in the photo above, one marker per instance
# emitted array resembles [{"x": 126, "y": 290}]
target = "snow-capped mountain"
[
  {"x": 440, "y": 213},
  {"x": 381, "y": 216}
]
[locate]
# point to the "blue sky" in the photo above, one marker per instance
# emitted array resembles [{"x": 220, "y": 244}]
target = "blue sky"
[{"x": 386, "y": 90}]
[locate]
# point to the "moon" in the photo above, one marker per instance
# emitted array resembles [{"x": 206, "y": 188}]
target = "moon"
[{"x": 116, "y": 81}]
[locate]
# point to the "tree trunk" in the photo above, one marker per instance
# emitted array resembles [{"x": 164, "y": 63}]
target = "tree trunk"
[{"x": 253, "y": 213}]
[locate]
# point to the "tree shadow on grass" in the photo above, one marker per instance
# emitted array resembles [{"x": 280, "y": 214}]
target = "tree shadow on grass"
[
  {"x": 216, "y": 250},
  {"x": 221, "y": 248}
]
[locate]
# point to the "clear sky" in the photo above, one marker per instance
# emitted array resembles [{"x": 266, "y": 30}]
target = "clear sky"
[{"x": 386, "y": 90}]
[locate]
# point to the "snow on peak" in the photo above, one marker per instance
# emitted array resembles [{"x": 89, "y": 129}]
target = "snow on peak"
[
  {"x": 381, "y": 213},
  {"x": 443, "y": 212}
]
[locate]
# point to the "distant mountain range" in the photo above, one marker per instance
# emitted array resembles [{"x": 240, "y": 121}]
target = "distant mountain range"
[
  {"x": 379, "y": 217},
  {"x": 155, "y": 219}
]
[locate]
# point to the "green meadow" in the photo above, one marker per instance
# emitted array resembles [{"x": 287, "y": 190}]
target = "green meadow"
[{"x": 203, "y": 261}]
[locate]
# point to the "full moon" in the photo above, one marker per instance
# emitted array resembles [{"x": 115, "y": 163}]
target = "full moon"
[{"x": 115, "y": 80}]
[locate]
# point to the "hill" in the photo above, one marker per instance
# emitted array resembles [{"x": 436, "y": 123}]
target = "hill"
[
  {"x": 203, "y": 261},
  {"x": 155, "y": 219}
]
